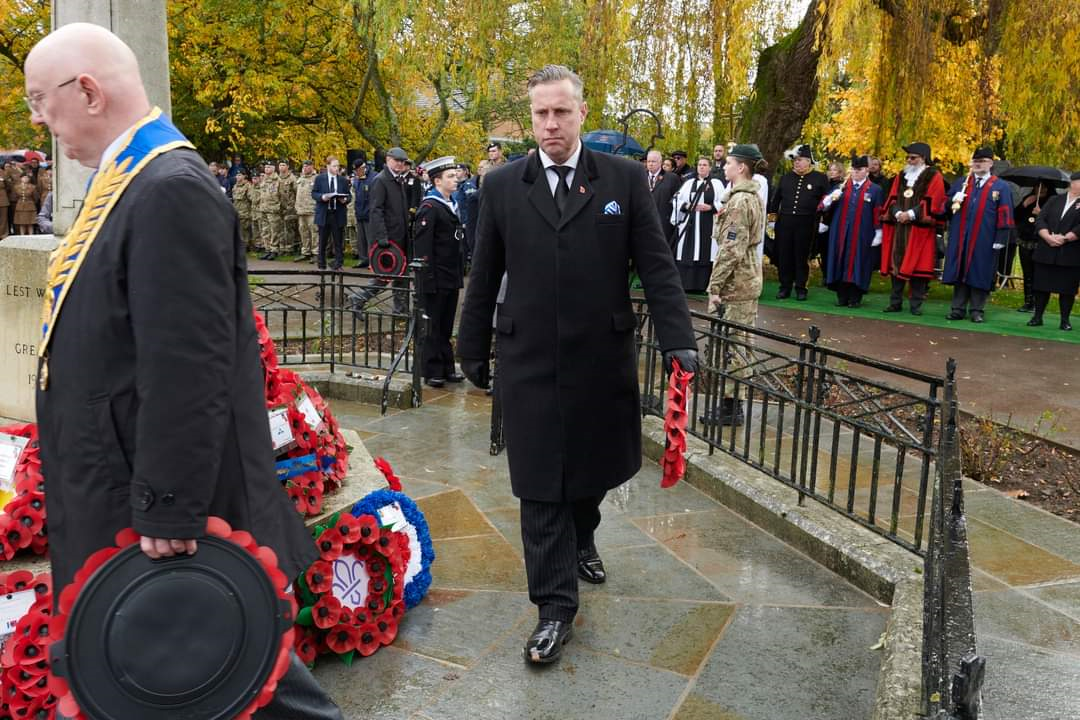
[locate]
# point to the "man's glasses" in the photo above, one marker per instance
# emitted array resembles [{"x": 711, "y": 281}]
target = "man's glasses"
[{"x": 34, "y": 102}]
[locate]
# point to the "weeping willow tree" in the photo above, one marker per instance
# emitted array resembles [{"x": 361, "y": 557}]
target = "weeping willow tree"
[{"x": 952, "y": 73}]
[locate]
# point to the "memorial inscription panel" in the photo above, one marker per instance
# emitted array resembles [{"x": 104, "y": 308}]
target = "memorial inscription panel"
[{"x": 23, "y": 264}]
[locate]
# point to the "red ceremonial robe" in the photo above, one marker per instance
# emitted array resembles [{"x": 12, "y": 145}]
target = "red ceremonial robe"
[{"x": 909, "y": 250}]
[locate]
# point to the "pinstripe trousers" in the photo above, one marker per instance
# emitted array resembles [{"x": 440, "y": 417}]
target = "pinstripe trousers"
[{"x": 552, "y": 534}]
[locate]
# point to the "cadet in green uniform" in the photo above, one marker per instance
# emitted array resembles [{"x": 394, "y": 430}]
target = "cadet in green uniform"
[
  {"x": 305, "y": 212},
  {"x": 735, "y": 284},
  {"x": 287, "y": 195},
  {"x": 242, "y": 196},
  {"x": 270, "y": 212}
]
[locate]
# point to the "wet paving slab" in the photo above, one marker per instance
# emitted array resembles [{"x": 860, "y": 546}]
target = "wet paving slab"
[{"x": 694, "y": 594}]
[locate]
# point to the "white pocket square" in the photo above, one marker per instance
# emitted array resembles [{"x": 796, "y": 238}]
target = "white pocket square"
[{"x": 612, "y": 208}]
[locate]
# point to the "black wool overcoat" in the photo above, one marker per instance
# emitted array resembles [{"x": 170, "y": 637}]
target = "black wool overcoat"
[
  {"x": 154, "y": 416},
  {"x": 568, "y": 376}
]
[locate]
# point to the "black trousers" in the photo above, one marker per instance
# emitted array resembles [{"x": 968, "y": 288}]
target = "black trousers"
[
  {"x": 1027, "y": 267},
  {"x": 795, "y": 237},
  {"x": 335, "y": 231},
  {"x": 919, "y": 289},
  {"x": 963, "y": 295},
  {"x": 441, "y": 307},
  {"x": 298, "y": 697},
  {"x": 848, "y": 293},
  {"x": 552, "y": 534}
]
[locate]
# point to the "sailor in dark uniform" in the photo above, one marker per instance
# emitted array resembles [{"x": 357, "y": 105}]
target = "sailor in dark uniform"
[
  {"x": 795, "y": 204},
  {"x": 437, "y": 240}
]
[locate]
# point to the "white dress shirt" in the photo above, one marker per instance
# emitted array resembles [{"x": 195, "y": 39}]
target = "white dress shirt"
[{"x": 552, "y": 176}]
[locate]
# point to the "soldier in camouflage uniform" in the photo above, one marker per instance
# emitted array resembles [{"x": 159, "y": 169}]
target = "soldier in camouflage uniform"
[
  {"x": 305, "y": 212},
  {"x": 735, "y": 283},
  {"x": 242, "y": 194},
  {"x": 269, "y": 205},
  {"x": 287, "y": 193}
]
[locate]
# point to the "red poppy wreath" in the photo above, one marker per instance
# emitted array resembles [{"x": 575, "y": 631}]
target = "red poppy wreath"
[
  {"x": 351, "y": 597},
  {"x": 22, "y": 523}
]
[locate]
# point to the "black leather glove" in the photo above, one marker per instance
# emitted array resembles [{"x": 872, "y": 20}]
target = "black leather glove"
[
  {"x": 478, "y": 372},
  {"x": 687, "y": 360},
  {"x": 384, "y": 242}
]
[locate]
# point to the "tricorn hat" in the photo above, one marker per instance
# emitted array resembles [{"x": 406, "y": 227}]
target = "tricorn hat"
[
  {"x": 223, "y": 610},
  {"x": 918, "y": 148}
]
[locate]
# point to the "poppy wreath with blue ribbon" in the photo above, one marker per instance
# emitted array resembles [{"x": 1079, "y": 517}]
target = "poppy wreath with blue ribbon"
[
  {"x": 350, "y": 598},
  {"x": 315, "y": 464},
  {"x": 418, "y": 581}
]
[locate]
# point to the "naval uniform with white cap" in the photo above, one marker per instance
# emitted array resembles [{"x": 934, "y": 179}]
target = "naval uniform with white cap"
[{"x": 437, "y": 236}]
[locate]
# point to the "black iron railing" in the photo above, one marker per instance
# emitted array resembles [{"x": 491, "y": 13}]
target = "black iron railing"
[
  {"x": 350, "y": 321},
  {"x": 855, "y": 434}
]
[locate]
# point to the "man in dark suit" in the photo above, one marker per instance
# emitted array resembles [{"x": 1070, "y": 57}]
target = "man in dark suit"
[
  {"x": 564, "y": 224},
  {"x": 390, "y": 214},
  {"x": 663, "y": 186},
  {"x": 150, "y": 388},
  {"x": 331, "y": 194}
]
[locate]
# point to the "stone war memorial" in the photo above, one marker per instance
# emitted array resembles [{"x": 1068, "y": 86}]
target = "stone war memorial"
[{"x": 840, "y": 513}]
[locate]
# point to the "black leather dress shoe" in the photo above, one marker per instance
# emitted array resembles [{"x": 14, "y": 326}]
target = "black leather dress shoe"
[
  {"x": 916, "y": 311},
  {"x": 977, "y": 317},
  {"x": 800, "y": 295},
  {"x": 590, "y": 567},
  {"x": 436, "y": 382},
  {"x": 545, "y": 643},
  {"x": 893, "y": 308},
  {"x": 1065, "y": 325},
  {"x": 954, "y": 315},
  {"x": 783, "y": 294},
  {"x": 1026, "y": 307},
  {"x": 1036, "y": 321},
  {"x": 455, "y": 378}
]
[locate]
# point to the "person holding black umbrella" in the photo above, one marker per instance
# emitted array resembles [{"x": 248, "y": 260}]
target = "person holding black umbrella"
[
  {"x": 1057, "y": 257},
  {"x": 1027, "y": 214}
]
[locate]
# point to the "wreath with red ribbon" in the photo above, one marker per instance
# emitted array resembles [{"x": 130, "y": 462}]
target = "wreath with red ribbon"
[
  {"x": 24, "y": 664},
  {"x": 318, "y": 456},
  {"x": 22, "y": 523},
  {"x": 673, "y": 463},
  {"x": 351, "y": 597},
  {"x": 216, "y": 527}
]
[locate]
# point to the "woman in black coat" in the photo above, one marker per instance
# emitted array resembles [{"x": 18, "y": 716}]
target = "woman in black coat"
[{"x": 1057, "y": 257}]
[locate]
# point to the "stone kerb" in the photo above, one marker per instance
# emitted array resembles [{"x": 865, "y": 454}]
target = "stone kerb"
[
  {"x": 881, "y": 568},
  {"x": 24, "y": 261}
]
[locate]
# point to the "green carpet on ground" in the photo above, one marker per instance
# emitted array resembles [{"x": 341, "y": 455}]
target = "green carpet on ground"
[{"x": 999, "y": 320}]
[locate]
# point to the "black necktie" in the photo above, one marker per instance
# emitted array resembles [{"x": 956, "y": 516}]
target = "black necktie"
[
  {"x": 652, "y": 182},
  {"x": 562, "y": 191}
]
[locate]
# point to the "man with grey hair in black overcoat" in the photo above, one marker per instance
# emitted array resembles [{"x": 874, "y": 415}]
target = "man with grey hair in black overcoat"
[{"x": 565, "y": 223}]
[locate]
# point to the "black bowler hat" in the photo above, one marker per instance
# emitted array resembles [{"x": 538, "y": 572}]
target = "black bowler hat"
[
  {"x": 389, "y": 260},
  {"x": 189, "y": 636},
  {"x": 860, "y": 161},
  {"x": 983, "y": 153},
  {"x": 918, "y": 148}
]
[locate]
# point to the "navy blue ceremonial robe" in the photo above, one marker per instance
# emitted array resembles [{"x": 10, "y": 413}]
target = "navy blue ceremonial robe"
[
  {"x": 855, "y": 218},
  {"x": 984, "y": 219}
]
